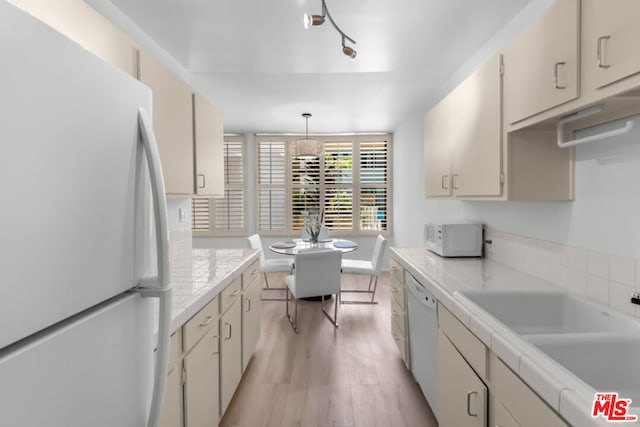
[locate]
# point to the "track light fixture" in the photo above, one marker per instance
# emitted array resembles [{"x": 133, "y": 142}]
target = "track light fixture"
[{"x": 314, "y": 20}]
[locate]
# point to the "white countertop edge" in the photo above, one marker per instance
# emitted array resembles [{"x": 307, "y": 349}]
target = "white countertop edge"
[{"x": 181, "y": 314}]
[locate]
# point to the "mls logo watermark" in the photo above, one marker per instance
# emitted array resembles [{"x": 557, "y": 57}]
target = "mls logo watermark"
[{"x": 612, "y": 408}]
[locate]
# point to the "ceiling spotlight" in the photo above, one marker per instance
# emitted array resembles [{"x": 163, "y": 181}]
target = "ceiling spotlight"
[
  {"x": 312, "y": 20},
  {"x": 349, "y": 51}
]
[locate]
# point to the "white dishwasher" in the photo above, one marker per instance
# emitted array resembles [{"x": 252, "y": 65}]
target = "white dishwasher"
[{"x": 423, "y": 339}]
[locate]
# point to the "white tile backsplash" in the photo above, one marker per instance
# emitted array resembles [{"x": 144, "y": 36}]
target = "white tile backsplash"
[
  {"x": 622, "y": 270},
  {"x": 597, "y": 264},
  {"x": 606, "y": 279}
]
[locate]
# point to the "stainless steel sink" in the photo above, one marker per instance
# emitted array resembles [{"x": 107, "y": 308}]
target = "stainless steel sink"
[{"x": 540, "y": 312}]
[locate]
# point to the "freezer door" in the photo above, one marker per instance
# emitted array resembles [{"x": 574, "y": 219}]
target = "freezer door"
[
  {"x": 93, "y": 371},
  {"x": 72, "y": 230}
]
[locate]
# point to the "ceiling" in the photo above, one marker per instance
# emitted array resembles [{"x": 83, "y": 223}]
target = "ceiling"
[{"x": 256, "y": 62}]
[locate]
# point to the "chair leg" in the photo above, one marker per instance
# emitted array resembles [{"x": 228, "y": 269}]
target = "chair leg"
[
  {"x": 268, "y": 288},
  {"x": 293, "y": 323},
  {"x": 333, "y": 320},
  {"x": 362, "y": 291}
]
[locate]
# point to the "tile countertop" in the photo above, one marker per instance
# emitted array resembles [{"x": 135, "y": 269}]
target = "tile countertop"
[
  {"x": 197, "y": 279},
  {"x": 443, "y": 277}
]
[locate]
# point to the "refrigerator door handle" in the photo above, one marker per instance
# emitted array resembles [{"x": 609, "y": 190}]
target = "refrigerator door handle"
[{"x": 162, "y": 291}]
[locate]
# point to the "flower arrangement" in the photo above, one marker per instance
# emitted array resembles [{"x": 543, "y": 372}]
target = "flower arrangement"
[{"x": 313, "y": 223}]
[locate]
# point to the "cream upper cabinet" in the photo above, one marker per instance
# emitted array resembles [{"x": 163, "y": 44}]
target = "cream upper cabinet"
[
  {"x": 82, "y": 24},
  {"x": 437, "y": 150},
  {"x": 476, "y": 133},
  {"x": 209, "y": 146},
  {"x": 541, "y": 64},
  {"x": 172, "y": 124},
  {"x": 463, "y": 138},
  {"x": 610, "y": 37}
]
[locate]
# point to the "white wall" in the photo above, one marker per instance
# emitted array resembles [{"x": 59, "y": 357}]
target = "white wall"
[{"x": 604, "y": 216}]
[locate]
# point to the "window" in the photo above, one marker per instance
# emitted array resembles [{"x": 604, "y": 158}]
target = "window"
[
  {"x": 224, "y": 216},
  {"x": 350, "y": 182}
]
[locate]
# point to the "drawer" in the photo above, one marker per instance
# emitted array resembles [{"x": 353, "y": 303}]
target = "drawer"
[
  {"x": 251, "y": 274},
  {"x": 175, "y": 350},
  {"x": 199, "y": 324},
  {"x": 400, "y": 340},
  {"x": 471, "y": 348},
  {"x": 398, "y": 291},
  {"x": 399, "y": 316},
  {"x": 396, "y": 270},
  {"x": 230, "y": 294}
]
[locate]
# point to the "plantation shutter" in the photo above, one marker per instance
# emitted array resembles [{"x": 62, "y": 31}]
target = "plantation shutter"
[
  {"x": 230, "y": 210},
  {"x": 374, "y": 184},
  {"x": 338, "y": 185},
  {"x": 201, "y": 209},
  {"x": 271, "y": 186}
]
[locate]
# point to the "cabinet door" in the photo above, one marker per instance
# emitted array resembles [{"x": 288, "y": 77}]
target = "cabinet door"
[
  {"x": 82, "y": 24},
  {"x": 231, "y": 353},
  {"x": 437, "y": 152},
  {"x": 209, "y": 146},
  {"x": 202, "y": 379},
  {"x": 462, "y": 395},
  {"x": 476, "y": 133},
  {"x": 251, "y": 309},
  {"x": 171, "y": 415},
  {"x": 502, "y": 417},
  {"x": 611, "y": 35},
  {"x": 541, "y": 63},
  {"x": 172, "y": 123}
]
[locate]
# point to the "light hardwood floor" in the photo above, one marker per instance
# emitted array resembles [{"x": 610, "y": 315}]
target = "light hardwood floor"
[{"x": 350, "y": 376}]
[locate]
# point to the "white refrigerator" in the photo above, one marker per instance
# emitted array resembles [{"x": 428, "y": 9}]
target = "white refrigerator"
[{"x": 84, "y": 297}]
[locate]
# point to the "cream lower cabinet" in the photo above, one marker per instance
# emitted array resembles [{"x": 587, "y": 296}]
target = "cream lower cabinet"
[
  {"x": 462, "y": 374},
  {"x": 202, "y": 376},
  {"x": 513, "y": 402},
  {"x": 476, "y": 388},
  {"x": 462, "y": 394},
  {"x": 230, "y": 352},
  {"x": 541, "y": 64},
  {"x": 399, "y": 320},
  {"x": 251, "y": 310},
  {"x": 171, "y": 415}
]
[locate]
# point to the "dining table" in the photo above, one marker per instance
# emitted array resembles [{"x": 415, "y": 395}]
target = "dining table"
[{"x": 293, "y": 246}]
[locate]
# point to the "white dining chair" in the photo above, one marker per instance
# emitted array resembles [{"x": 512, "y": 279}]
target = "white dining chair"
[
  {"x": 317, "y": 274},
  {"x": 273, "y": 265},
  {"x": 370, "y": 268}
]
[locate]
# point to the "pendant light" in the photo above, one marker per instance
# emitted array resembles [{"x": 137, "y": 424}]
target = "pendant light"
[{"x": 306, "y": 148}]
